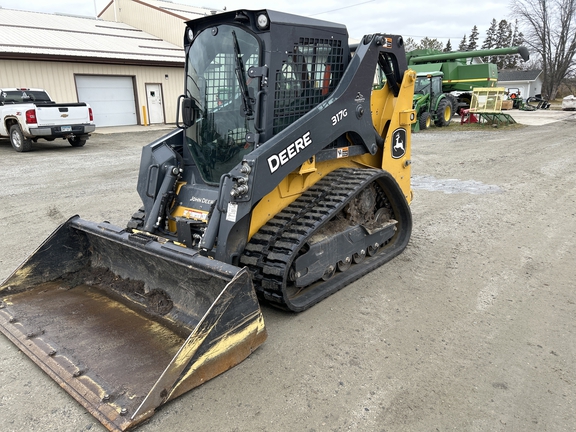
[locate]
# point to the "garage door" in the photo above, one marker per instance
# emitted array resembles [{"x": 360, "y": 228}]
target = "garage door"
[{"x": 111, "y": 98}]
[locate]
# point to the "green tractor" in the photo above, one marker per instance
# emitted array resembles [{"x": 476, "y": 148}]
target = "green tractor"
[
  {"x": 460, "y": 75},
  {"x": 430, "y": 102}
]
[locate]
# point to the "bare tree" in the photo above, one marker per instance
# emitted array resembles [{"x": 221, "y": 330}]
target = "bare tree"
[
  {"x": 425, "y": 43},
  {"x": 551, "y": 32},
  {"x": 410, "y": 44},
  {"x": 433, "y": 44}
]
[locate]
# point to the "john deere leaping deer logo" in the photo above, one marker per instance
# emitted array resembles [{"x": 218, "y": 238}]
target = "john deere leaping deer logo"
[{"x": 399, "y": 143}]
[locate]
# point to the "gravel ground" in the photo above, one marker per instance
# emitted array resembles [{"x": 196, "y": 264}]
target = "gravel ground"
[{"x": 470, "y": 329}]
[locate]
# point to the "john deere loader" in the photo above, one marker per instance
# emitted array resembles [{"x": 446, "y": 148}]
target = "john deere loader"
[{"x": 287, "y": 178}]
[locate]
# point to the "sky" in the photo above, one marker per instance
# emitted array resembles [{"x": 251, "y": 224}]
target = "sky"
[{"x": 451, "y": 19}]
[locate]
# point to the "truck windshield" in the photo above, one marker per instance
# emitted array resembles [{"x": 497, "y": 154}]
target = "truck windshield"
[
  {"x": 217, "y": 79},
  {"x": 23, "y": 96}
]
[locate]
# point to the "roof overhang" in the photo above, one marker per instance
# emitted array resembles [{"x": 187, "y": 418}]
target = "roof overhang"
[{"x": 89, "y": 59}]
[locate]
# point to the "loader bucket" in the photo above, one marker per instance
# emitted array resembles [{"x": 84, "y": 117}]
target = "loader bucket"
[{"x": 124, "y": 322}]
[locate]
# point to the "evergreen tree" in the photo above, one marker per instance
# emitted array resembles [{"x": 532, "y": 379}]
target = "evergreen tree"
[
  {"x": 448, "y": 47},
  {"x": 517, "y": 36},
  {"x": 463, "y": 44},
  {"x": 489, "y": 41},
  {"x": 500, "y": 34},
  {"x": 503, "y": 39},
  {"x": 504, "y": 35},
  {"x": 473, "y": 39},
  {"x": 513, "y": 61}
]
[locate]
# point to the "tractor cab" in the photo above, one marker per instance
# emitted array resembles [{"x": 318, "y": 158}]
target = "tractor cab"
[
  {"x": 428, "y": 86},
  {"x": 430, "y": 102}
]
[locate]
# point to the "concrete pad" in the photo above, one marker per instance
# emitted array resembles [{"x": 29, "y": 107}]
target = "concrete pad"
[
  {"x": 540, "y": 117},
  {"x": 132, "y": 128}
]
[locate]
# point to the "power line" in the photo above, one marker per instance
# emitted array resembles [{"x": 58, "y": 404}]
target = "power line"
[
  {"x": 345, "y": 7},
  {"x": 432, "y": 37}
]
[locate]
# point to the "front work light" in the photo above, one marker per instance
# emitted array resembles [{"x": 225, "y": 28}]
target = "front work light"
[{"x": 262, "y": 21}]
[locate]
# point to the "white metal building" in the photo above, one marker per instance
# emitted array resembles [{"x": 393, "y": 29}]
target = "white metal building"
[
  {"x": 528, "y": 81},
  {"x": 127, "y": 75},
  {"x": 164, "y": 19}
]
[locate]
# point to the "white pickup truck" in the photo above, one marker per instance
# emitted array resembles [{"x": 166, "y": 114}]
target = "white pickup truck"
[{"x": 29, "y": 114}]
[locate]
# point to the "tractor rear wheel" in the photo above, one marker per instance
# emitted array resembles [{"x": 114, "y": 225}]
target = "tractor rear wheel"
[
  {"x": 443, "y": 113},
  {"x": 454, "y": 101}
]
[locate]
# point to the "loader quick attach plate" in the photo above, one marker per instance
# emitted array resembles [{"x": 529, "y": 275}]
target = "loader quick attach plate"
[{"x": 125, "y": 326}]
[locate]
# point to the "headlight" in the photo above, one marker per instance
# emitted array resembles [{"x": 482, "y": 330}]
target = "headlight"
[{"x": 262, "y": 21}]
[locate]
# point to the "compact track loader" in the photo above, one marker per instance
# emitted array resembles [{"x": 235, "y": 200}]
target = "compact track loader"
[{"x": 288, "y": 179}]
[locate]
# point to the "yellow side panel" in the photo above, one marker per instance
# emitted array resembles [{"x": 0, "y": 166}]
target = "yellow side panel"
[
  {"x": 295, "y": 184},
  {"x": 388, "y": 114}
]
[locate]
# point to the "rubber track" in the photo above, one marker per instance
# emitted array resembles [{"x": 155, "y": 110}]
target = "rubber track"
[{"x": 272, "y": 250}]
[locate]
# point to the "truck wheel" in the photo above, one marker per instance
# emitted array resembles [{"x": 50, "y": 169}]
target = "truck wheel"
[
  {"x": 18, "y": 141},
  {"x": 425, "y": 120},
  {"x": 77, "y": 141},
  {"x": 443, "y": 113}
]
